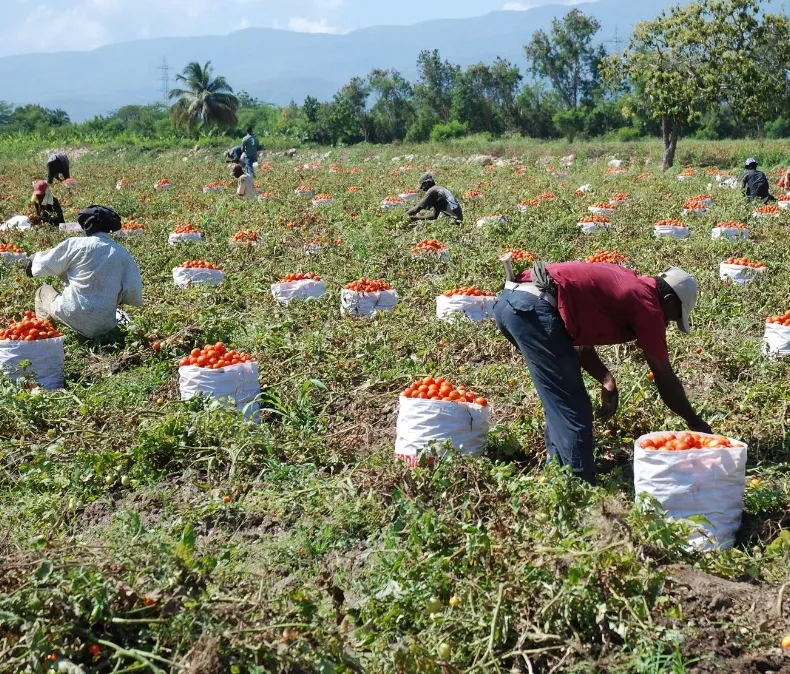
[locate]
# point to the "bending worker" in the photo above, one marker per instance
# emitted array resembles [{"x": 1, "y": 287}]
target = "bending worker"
[
  {"x": 437, "y": 199},
  {"x": 48, "y": 210},
  {"x": 755, "y": 183},
  {"x": 57, "y": 167},
  {"x": 557, "y": 314},
  {"x": 100, "y": 275}
]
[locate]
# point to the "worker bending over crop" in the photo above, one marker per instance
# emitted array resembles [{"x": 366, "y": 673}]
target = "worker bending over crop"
[
  {"x": 755, "y": 183},
  {"x": 57, "y": 168},
  {"x": 47, "y": 207},
  {"x": 557, "y": 314},
  {"x": 100, "y": 275},
  {"x": 437, "y": 199}
]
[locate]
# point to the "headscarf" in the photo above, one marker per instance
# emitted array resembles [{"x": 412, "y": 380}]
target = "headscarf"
[{"x": 98, "y": 219}]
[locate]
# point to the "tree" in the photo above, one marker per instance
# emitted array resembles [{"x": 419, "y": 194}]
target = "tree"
[
  {"x": 348, "y": 119},
  {"x": 433, "y": 92},
  {"x": 696, "y": 57},
  {"x": 205, "y": 102},
  {"x": 485, "y": 97},
  {"x": 567, "y": 56},
  {"x": 393, "y": 112}
]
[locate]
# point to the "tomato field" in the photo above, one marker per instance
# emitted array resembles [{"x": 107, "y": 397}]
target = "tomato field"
[{"x": 141, "y": 533}]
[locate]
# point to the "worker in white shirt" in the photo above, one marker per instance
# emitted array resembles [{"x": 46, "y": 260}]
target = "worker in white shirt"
[
  {"x": 246, "y": 184},
  {"x": 99, "y": 273}
]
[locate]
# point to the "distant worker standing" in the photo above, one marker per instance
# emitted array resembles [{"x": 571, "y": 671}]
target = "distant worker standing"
[
  {"x": 755, "y": 183},
  {"x": 251, "y": 146},
  {"x": 48, "y": 210},
  {"x": 57, "y": 168},
  {"x": 438, "y": 200}
]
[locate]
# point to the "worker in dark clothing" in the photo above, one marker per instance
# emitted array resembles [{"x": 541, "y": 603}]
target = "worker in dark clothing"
[
  {"x": 57, "y": 168},
  {"x": 438, "y": 200},
  {"x": 233, "y": 156},
  {"x": 48, "y": 210},
  {"x": 755, "y": 183}
]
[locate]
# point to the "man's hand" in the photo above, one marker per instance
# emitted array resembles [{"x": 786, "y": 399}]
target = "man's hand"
[
  {"x": 610, "y": 399},
  {"x": 699, "y": 425}
]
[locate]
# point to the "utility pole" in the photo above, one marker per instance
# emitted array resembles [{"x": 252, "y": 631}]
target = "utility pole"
[
  {"x": 617, "y": 41},
  {"x": 165, "y": 82}
]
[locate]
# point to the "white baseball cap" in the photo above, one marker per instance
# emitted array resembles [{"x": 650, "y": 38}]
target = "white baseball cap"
[{"x": 686, "y": 289}]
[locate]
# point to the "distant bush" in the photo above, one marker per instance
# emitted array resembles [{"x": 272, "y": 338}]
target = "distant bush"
[{"x": 453, "y": 129}]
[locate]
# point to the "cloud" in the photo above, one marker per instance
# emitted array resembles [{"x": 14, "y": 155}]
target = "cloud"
[{"x": 301, "y": 25}]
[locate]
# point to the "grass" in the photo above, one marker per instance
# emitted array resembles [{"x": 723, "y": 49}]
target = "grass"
[{"x": 141, "y": 533}]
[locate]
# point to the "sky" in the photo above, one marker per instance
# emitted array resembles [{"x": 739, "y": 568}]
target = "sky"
[{"x": 28, "y": 26}]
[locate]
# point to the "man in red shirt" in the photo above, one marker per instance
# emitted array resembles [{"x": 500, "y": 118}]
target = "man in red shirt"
[{"x": 556, "y": 320}]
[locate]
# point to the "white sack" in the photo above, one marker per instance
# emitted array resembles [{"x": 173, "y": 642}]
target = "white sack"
[
  {"x": 70, "y": 227},
  {"x": 739, "y": 274},
  {"x": 17, "y": 222},
  {"x": 783, "y": 204},
  {"x": 671, "y": 232},
  {"x": 13, "y": 258},
  {"x": 308, "y": 289},
  {"x": 776, "y": 341},
  {"x": 706, "y": 482},
  {"x": 174, "y": 238},
  {"x": 355, "y": 303},
  {"x": 599, "y": 210},
  {"x": 186, "y": 277},
  {"x": 591, "y": 227},
  {"x": 237, "y": 384},
  {"x": 729, "y": 233},
  {"x": 46, "y": 358},
  {"x": 474, "y": 308},
  {"x": 212, "y": 190},
  {"x": 615, "y": 163},
  {"x": 420, "y": 422}
]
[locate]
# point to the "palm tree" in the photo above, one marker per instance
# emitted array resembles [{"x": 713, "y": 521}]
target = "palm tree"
[{"x": 204, "y": 101}]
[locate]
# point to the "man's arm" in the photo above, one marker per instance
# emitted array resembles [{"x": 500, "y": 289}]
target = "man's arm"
[
  {"x": 427, "y": 202},
  {"x": 592, "y": 365},
  {"x": 673, "y": 394},
  {"x": 52, "y": 262}
]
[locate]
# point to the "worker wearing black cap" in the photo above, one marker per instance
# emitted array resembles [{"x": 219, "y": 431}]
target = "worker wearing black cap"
[
  {"x": 755, "y": 183},
  {"x": 437, "y": 199}
]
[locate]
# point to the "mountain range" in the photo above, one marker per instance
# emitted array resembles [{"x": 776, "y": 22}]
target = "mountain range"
[{"x": 279, "y": 66}]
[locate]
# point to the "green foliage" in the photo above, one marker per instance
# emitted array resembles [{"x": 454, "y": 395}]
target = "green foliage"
[
  {"x": 444, "y": 132},
  {"x": 567, "y": 56}
]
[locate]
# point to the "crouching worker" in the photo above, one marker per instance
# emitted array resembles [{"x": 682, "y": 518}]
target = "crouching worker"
[
  {"x": 557, "y": 314},
  {"x": 755, "y": 183},
  {"x": 100, "y": 275},
  {"x": 437, "y": 200},
  {"x": 47, "y": 207},
  {"x": 246, "y": 184}
]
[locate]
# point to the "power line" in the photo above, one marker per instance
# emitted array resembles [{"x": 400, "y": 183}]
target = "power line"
[{"x": 164, "y": 81}]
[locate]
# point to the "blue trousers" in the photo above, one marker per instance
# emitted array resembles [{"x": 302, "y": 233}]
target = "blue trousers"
[
  {"x": 536, "y": 329},
  {"x": 249, "y": 161}
]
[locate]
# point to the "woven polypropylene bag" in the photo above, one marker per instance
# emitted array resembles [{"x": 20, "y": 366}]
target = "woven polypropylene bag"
[
  {"x": 423, "y": 422},
  {"x": 186, "y": 277},
  {"x": 236, "y": 385},
  {"x": 355, "y": 303},
  {"x": 307, "y": 289},
  {"x": 475, "y": 309},
  {"x": 45, "y": 358},
  {"x": 707, "y": 483}
]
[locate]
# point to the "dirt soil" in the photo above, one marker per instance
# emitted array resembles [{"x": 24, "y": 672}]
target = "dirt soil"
[{"x": 729, "y": 617}]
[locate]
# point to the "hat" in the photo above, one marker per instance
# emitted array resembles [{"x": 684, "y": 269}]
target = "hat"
[
  {"x": 686, "y": 289},
  {"x": 750, "y": 161},
  {"x": 427, "y": 178},
  {"x": 40, "y": 188}
]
